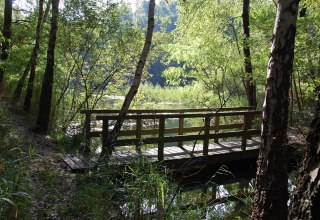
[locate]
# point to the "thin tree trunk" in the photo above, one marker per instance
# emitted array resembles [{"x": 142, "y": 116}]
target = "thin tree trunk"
[
  {"x": 292, "y": 104},
  {"x": 109, "y": 145},
  {"x": 250, "y": 84},
  {"x": 300, "y": 90},
  {"x": 43, "y": 119},
  {"x": 7, "y": 36},
  {"x": 271, "y": 193},
  {"x": 33, "y": 58},
  {"x": 29, "y": 94},
  {"x": 306, "y": 199},
  {"x": 296, "y": 92},
  {"x": 18, "y": 90}
]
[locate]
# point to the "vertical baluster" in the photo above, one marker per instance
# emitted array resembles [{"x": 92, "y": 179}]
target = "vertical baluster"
[
  {"x": 216, "y": 127},
  {"x": 105, "y": 134},
  {"x": 245, "y": 129},
  {"x": 162, "y": 121},
  {"x": 206, "y": 133},
  {"x": 181, "y": 125},
  {"x": 87, "y": 129},
  {"x": 138, "y": 132}
]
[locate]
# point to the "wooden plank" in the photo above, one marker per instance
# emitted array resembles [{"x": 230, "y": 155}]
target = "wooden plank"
[
  {"x": 82, "y": 165},
  {"x": 177, "y": 138},
  {"x": 162, "y": 122},
  {"x": 169, "y": 130},
  {"x": 216, "y": 127},
  {"x": 105, "y": 133},
  {"x": 206, "y": 135},
  {"x": 138, "y": 132},
  {"x": 244, "y": 136},
  {"x": 223, "y": 151},
  {"x": 70, "y": 162},
  {"x": 186, "y": 115},
  {"x": 87, "y": 128},
  {"x": 78, "y": 162},
  {"x": 180, "y": 130},
  {"x": 116, "y": 111}
]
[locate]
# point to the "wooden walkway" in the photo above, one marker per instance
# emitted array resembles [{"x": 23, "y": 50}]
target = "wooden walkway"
[
  {"x": 200, "y": 135},
  {"x": 217, "y": 153}
]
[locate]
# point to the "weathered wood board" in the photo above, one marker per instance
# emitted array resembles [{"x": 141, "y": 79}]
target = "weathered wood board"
[{"x": 78, "y": 163}]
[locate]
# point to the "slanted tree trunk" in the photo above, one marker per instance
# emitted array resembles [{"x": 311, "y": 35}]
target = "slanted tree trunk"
[
  {"x": 109, "y": 145},
  {"x": 7, "y": 36},
  {"x": 249, "y": 81},
  {"x": 306, "y": 199},
  {"x": 43, "y": 119},
  {"x": 33, "y": 58},
  {"x": 271, "y": 194}
]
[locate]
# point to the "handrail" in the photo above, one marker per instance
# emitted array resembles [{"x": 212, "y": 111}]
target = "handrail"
[
  {"x": 111, "y": 111},
  {"x": 204, "y": 132},
  {"x": 88, "y": 117},
  {"x": 192, "y": 115}
]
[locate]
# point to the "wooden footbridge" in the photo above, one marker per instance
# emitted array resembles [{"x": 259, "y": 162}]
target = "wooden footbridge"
[{"x": 176, "y": 136}]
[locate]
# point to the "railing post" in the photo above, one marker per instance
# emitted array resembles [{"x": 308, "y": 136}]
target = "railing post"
[
  {"x": 162, "y": 121},
  {"x": 216, "y": 127},
  {"x": 181, "y": 125},
  {"x": 245, "y": 129},
  {"x": 87, "y": 129},
  {"x": 138, "y": 132},
  {"x": 105, "y": 134},
  {"x": 206, "y": 133}
]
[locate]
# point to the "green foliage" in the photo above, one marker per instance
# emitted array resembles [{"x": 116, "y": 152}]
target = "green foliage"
[
  {"x": 14, "y": 198},
  {"x": 95, "y": 50},
  {"x": 195, "y": 95}
]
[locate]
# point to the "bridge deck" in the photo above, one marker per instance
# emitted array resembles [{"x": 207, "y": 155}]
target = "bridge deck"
[
  {"x": 218, "y": 152},
  {"x": 166, "y": 134}
]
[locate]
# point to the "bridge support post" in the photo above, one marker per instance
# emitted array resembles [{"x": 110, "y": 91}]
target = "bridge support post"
[
  {"x": 206, "y": 134},
  {"x": 105, "y": 134},
  {"x": 216, "y": 127},
  {"x": 87, "y": 130},
  {"x": 162, "y": 121},
  {"x": 181, "y": 125},
  {"x": 138, "y": 132},
  {"x": 245, "y": 129}
]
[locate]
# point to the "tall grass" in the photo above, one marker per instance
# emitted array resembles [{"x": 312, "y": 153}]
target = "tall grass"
[
  {"x": 190, "y": 96},
  {"x": 14, "y": 198},
  {"x": 144, "y": 191}
]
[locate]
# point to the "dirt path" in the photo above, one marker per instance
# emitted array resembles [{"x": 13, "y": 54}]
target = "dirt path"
[{"x": 51, "y": 186}]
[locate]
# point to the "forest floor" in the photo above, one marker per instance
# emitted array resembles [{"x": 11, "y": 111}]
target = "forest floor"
[{"x": 52, "y": 187}]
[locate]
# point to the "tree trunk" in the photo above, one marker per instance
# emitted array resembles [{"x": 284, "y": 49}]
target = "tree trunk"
[
  {"x": 18, "y": 89},
  {"x": 250, "y": 84},
  {"x": 271, "y": 194},
  {"x": 306, "y": 199},
  {"x": 109, "y": 145},
  {"x": 34, "y": 57},
  {"x": 7, "y": 36},
  {"x": 43, "y": 119}
]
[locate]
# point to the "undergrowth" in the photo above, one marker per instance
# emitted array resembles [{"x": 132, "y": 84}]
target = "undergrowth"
[
  {"x": 145, "y": 191},
  {"x": 14, "y": 197}
]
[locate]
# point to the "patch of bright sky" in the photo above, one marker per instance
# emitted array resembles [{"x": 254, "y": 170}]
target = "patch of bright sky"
[
  {"x": 29, "y": 4},
  {"x": 134, "y": 3}
]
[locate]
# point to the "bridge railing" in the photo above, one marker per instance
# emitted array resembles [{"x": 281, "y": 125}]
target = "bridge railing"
[
  {"x": 90, "y": 118},
  {"x": 212, "y": 128}
]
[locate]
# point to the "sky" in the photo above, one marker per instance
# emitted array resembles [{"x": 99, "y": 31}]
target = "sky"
[{"x": 25, "y": 4}]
